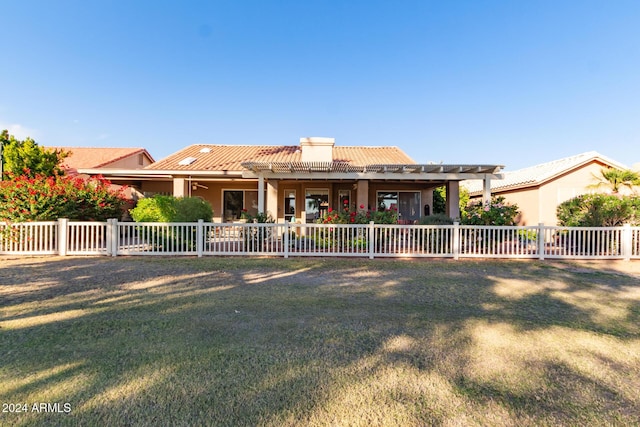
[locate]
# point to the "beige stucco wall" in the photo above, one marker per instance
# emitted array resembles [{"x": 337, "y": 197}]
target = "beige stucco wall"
[
  {"x": 160, "y": 187},
  {"x": 136, "y": 161},
  {"x": 214, "y": 192},
  {"x": 528, "y": 201},
  {"x": 539, "y": 204}
]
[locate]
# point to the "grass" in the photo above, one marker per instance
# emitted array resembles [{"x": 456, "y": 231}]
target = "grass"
[{"x": 273, "y": 342}]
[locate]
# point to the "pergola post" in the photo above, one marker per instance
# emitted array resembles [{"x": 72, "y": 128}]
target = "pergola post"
[
  {"x": 261, "y": 193},
  {"x": 453, "y": 199},
  {"x": 486, "y": 190},
  {"x": 272, "y": 198},
  {"x": 362, "y": 194}
]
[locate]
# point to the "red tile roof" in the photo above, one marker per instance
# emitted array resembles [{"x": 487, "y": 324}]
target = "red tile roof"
[
  {"x": 92, "y": 157},
  {"x": 230, "y": 157}
]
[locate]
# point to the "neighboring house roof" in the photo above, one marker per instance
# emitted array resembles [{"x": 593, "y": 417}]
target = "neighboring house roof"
[
  {"x": 92, "y": 157},
  {"x": 539, "y": 174},
  {"x": 205, "y": 157}
]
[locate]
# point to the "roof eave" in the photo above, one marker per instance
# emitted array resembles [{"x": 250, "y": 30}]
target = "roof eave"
[{"x": 159, "y": 172}]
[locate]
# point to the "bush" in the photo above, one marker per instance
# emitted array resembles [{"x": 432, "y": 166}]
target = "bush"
[
  {"x": 361, "y": 216},
  {"x": 437, "y": 219},
  {"x": 498, "y": 212},
  {"x": 155, "y": 209},
  {"x": 47, "y": 198},
  {"x": 191, "y": 209},
  {"x": 599, "y": 210},
  {"x": 172, "y": 209}
]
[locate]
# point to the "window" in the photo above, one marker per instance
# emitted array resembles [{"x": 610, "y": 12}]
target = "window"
[
  {"x": 316, "y": 203},
  {"x": 290, "y": 205},
  {"x": 187, "y": 161},
  {"x": 406, "y": 202},
  {"x": 344, "y": 199},
  {"x": 234, "y": 201}
]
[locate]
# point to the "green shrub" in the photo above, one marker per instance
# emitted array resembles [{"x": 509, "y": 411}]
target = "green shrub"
[
  {"x": 172, "y": 209},
  {"x": 192, "y": 209},
  {"x": 498, "y": 212},
  {"x": 258, "y": 218},
  {"x": 155, "y": 209},
  {"x": 437, "y": 219},
  {"x": 599, "y": 210}
]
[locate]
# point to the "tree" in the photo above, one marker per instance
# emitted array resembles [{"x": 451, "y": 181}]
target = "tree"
[
  {"x": 28, "y": 158},
  {"x": 615, "y": 179}
]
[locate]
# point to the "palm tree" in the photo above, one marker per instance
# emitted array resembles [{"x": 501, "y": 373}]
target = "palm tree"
[{"x": 615, "y": 179}]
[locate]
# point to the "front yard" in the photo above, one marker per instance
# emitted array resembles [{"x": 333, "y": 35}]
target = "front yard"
[{"x": 317, "y": 342}]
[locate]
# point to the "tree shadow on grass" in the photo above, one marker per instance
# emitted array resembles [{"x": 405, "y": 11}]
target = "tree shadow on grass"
[{"x": 313, "y": 343}]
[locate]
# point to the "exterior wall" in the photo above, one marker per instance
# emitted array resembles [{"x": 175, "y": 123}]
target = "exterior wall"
[
  {"x": 539, "y": 203},
  {"x": 214, "y": 193},
  {"x": 156, "y": 187},
  {"x": 528, "y": 201},
  {"x": 136, "y": 161},
  {"x": 564, "y": 188}
]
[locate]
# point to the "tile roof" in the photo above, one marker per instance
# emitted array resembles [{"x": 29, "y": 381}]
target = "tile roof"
[
  {"x": 538, "y": 174},
  {"x": 96, "y": 157},
  {"x": 207, "y": 157}
]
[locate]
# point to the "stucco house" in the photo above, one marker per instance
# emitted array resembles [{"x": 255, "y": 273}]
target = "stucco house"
[
  {"x": 99, "y": 157},
  {"x": 539, "y": 189},
  {"x": 300, "y": 182}
]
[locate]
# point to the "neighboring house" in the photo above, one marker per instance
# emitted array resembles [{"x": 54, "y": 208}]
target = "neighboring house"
[
  {"x": 104, "y": 158},
  {"x": 538, "y": 190},
  {"x": 301, "y": 182}
]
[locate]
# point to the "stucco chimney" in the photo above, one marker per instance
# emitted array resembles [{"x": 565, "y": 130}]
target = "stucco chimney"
[{"x": 317, "y": 149}]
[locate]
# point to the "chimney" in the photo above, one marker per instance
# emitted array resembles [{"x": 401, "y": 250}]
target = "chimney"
[{"x": 317, "y": 149}]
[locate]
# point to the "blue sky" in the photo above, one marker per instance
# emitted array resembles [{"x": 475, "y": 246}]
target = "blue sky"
[{"x": 501, "y": 82}]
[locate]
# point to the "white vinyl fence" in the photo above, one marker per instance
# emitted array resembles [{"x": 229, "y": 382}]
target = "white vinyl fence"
[{"x": 113, "y": 238}]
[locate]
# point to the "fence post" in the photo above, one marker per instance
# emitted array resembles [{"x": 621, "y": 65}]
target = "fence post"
[
  {"x": 115, "y": 236},
  {"x": 200, "y": 238},
  {"x": 285, "y": 239},
  {"x": 456, "y": 240},
  {"x": 541, "y": 241},
  {"x": 109, "y": 236},
  {"x": 63, "y": 227},
  {"x": 371, "y": 240},
  {"x": 627, "y": 242}
]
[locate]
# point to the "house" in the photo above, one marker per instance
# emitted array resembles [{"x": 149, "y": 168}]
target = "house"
[
  {"x": 539, "y": 189},
  {"x": 301, "y": 182},
  {"x": 101, "y": 158}
]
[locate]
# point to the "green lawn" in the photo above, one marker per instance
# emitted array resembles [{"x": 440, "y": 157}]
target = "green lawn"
[{"x": 315, "y": 342}]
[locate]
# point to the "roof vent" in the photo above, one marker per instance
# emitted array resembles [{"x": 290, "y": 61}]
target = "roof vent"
[
  {"x": 205, "y": 150},
  {"x": 187, "y": 161}
]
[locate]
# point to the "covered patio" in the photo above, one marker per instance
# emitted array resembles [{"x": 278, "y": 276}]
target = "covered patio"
[{"x": 406, "y": 187}]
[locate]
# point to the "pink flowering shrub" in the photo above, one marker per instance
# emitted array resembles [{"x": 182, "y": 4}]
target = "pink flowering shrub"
[
  {"x": 498, "y": 212},
  {"x": 45, "y": 198},
  {"x": 360, "y": 216}
]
